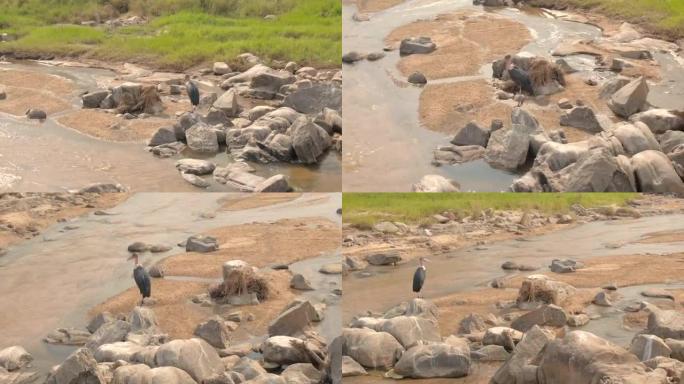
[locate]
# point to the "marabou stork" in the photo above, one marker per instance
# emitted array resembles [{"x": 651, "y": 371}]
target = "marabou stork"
[
  {"x": 520, "y": 78},
  {"x": 419, "y": 276},
  {"x": 193, "y": 92},
  {"x": 142, "y": 278}
]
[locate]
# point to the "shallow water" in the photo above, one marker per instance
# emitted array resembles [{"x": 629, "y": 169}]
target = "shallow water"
[
  {"x": 48, "y": 157},
  {"x": 387, "y": 149},
  {"x": 473, "y": 268},
  {"x": 53, "y": 280}
]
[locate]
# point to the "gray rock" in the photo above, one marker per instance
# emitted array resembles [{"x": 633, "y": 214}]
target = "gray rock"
[
  {"x": 375, "y": 56},
  {"x": 583, "y": 118},
  {"x": 309, "y": 141},
  {"x": 582, "y": 357},
  {"x": 578, "y": 320},
  {"x": 214, "y": 331},
  {"x": 655, "y": 173},
  {"x": 275, "y": 183},
  {"x": 228, "y": 103},
  {"x": 635, "y": 138},
  {"x": 283, "y": 350},
  {"x": 249, "y": 368},
  {"x": 613, "y": 85},
  {"x": 36, "y": 114},
  {"x": 472, "y": 134},
  {"x": 194, "y": 356},
  {"x": 666, "y": 324},
  {"x": 195, "y": 166},
  {"x": 202, "y": 138},
  {"x": 602, "y": 299},
  {"x": 201, "y": 244},
  {"x": 94, "y": 99},
  {"x": 99, "y": 320},
  {"x": 221, "y": 68},
  {"x": 503, "y": 336},
  {"x": 541, "y": 289},
  {"x": 351, "y": 368},
  {"x": 352, "y": 57},
  {"x": 195, "y": 180},
  {"x": 313, "y": 99},
  {"x": 508, "y": 149},
  {"x": 416, "y": 45},
  {"x": 417, "y": 78},
  {"x": 411, "y": 330},
  {"x": 545, "y": 316},
  {"x": 565, "y": 266},
  {"x": 660, "y": 120},
  {"x": 515, "y": 369},
  {"x": 294, "y": 320},
  {"x": 646, "y": 347},
  {"x": 300, "y": 282},
  {"x": 389, "y": 258},
  {"x": 302, "y": 373},
  {"x": 473, "y": 323},
  {"x": 79, "y": 367},
  {"x": 164, "y": 135},
  {"x": 266, "y": 85},
  {"x": 434, "y": 360},
  {"x": 671, "y": 140},
  {"x": 630, "y": 99},
  {"x": 68, "y": 336},
  {"x": 371, "y": 349},
  {"x": 109, "y": 333},
  {"x": 493, "y": 353}
]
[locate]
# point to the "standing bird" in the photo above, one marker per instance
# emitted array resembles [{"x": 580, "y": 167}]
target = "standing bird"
[
  {"x": 193, "y": 92},
  {"x": 142, "y": 278},
  {"x": 520, "y": 78},
  {"x": 419, "y": 276}
]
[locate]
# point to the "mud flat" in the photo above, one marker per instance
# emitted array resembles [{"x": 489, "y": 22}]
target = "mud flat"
[
  {"x": 95, "y": 118},
  {"x": 440, "y": 75},
  {"x": 611, "y": 287},
  {"x": 274, "y": 240}
]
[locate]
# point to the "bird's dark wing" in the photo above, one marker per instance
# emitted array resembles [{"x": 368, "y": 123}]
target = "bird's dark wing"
[
  {"x": 142, "y": 280},
  {"x": 418, "y": 279},
  {"x": 193, "y": 92}
]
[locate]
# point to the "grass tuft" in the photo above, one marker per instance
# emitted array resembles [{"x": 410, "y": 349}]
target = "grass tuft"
[{"x": 363, "y": 210}]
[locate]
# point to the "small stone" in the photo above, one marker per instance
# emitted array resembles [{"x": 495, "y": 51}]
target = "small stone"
[{"x": 417, "y": 78}]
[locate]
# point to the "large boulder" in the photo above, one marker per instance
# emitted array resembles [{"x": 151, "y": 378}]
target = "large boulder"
[
  {"x": 309, "y": 140},
  {"x": 635, "y": 138},
  {"x": 202, "y": 138},
  {"x": 228, "y": 103},
  {"x": 389, "y": 258},
  {"x": 248, "y": 368},
  {"x": 214, "y": 331},
  {"x": 596, "y": 170},
  {"x": 15, "y": 357},
  {"x": 660, "y": 120},
  {"x": 517, "y": 369},
  {"x": 503, "y": 336},
  {"x": 164, "y": 135},
  {"x": 201, "y": 244},
  {"x": 582, "y": 357},
  {"x": 539, "y": 288},
  {"x": 79, "y": 367},
  {"x": 302, "y": 373},
  {"x": 371, "y": 349},
  {"x": 581, "y": 117},
  {"x": 312, "y": 100},
  {"x": 508, "y": 148},
  {"x": 194, "y": 356},
  {"x": 472, "y": 134},
  {"x": 94, "y": 99},
  {"x": 109, "y": 333},
  {"x": 351, "y": 368},
  {"x": 142, "y": 374},
  {"x": 630, "y": 99},
  {"x": 671, "y": 140},
  {"x": 434, "y": 360},
  {"x": 122, "y": 350},
  {"x": 473, "y": 323},
  {"x": 656, "y": 174},
  {"x": 416, "y": 45},
  {"x": 267, "y": 84},
  {"x": 142, "y": 319},
  {"x": 284, "y": 350},
  {"x": 611, "y": 86},
  {"x": 436, "y": 184},
  {"x": 547, "y": 315},
  {"x": 294, "y": 320},
  {"x": 411, "y": 330},
  {"x": 666, "y": 324},
  {"x": 646, "y": 347},
  {"x": 195, "y": 166}
]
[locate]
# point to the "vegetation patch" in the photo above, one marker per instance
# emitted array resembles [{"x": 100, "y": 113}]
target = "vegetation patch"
[
  {"x": 363, "y": 210},
  {"x": 181, "y": 33}
]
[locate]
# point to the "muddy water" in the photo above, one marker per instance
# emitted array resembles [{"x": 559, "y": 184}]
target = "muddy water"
[
  {"x": 387, "y": 149},
  {"x": 48, "y": 157},
  {"x": 473, "y": 268},
  {"x": 53, "y": 280}
]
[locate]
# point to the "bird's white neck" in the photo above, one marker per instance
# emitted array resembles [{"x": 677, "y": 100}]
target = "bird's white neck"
[{"x": 422, "y": 267}]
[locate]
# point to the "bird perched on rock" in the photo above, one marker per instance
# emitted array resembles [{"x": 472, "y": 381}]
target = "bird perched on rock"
[
  {"x": 142, "y": 278},
  {"x": 419, "y": 276},
  {"x": 193, "y": 92},
  {"x": 520, "y": 77}
]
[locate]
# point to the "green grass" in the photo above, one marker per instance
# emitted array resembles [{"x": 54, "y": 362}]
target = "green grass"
[
  {"x": 662, "y": 17},
  {"x": 182, "y": 33},
  {"x": 363, "y": 210}
]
